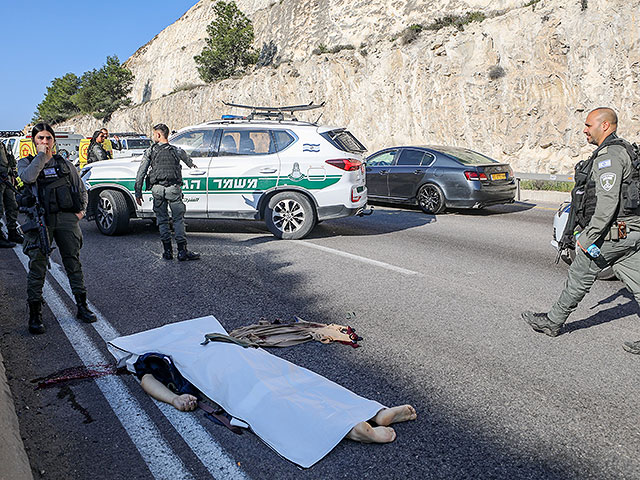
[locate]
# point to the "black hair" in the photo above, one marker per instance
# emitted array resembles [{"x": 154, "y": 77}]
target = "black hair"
[
  {"x": 40, "y": 127},
  {"x": 162, "y": 128},
  {"x": 93, "y": 140}
]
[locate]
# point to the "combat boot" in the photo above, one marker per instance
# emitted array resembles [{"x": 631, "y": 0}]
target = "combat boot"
[
  {"x": 168, "y": 250},
  {"x": 15, "y": 236},
  {"x": 35, "y": 318},
  {"x": 184, "y": 254},
  {"x": 4, "y": 242},
  {"x": 541, "y": 323},
  {"x": 84, "y": 314}
]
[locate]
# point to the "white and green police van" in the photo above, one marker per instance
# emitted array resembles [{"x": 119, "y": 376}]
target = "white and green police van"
[{"x": 288, "y": 173}]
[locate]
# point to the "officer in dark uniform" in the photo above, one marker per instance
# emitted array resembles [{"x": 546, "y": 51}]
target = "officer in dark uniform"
[
  {"x": 165, "y": 178},
  {"x": 95, "y": 151},
  {"x": 8, "y": 204},
  {"x": 63, "y": 196},
  {"x": 608, "y": 231}
]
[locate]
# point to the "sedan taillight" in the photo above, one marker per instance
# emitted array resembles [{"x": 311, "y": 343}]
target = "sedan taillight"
[
  {"x": 471, "y": 175},
  {"x": 348, "y": 164}
]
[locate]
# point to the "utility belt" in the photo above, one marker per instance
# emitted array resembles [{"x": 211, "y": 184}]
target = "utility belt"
[
  {"x": 167, "y": 183},
  {"x": 618, "y": 231}
]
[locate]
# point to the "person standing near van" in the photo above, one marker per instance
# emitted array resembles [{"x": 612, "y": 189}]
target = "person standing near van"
[
  {"x": 60, "y": 192},
  {"x": 165, "y": 178},
  {"x": 8, "y": 205},
  {"x": 96, "y": 151}
]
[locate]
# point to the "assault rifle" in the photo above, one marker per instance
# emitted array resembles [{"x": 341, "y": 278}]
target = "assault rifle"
[{"x": 28, "y": 204}]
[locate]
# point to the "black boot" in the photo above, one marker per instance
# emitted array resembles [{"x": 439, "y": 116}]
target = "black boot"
[
  {"x": 168, "y": 250},
  {"x": 35, "y": 318},
  {"x": 84, "y": 314},
  {"x": 15, "y": 236},
  {"x": 4, "y": 242},
  {"x": 184, "y": 254}
]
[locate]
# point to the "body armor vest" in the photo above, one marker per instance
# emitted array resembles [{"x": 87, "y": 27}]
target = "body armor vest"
[
  {"x": 165, "y": 166},
  {"x": 583, "y": 195},
  {"x": 56, "y": 192}
]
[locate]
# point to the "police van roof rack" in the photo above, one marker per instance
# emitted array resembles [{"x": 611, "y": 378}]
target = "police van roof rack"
[
  {"x": 275, "y": 113},
  {"x": 11, "y": 133}
]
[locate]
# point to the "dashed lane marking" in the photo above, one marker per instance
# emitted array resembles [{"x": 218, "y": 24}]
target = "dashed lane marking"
[
  {"x": 370, "y": 261},
  {"x": 203, "y": 445}
]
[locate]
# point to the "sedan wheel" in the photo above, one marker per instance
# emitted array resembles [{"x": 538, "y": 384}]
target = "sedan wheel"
[{"x": 431, "y": 199}]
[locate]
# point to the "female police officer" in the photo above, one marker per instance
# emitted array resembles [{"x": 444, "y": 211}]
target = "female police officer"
[{"x": 61, "y": 194}]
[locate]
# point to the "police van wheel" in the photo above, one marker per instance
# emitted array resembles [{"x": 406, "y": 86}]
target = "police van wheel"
[
  {"x": 290, "y": 216},
  {"x": 112, "y": 214},
  {"x": 431, "y": 199}
]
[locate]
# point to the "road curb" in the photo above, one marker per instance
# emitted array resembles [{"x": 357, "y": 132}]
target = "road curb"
[
  {"x": 14, "y": 463},
  {"x": 544, "y": 196}
]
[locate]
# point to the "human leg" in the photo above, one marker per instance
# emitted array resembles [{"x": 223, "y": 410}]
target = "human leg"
[
  {"x": 4, "y": 241},
  {"x": 178, "y": 208},
  {"x": 35, "y": 282},
  {"x": 68, "y": 237},
  {"x": 366, "y": 433},
  {"x": 161, "y": 211},
  {"x": 402, "y": 413},
  {"x": 11, "y": 213},
  {"x": 582, "y": 273}
]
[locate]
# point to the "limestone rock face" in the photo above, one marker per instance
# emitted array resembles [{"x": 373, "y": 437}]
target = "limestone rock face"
[{"x": 516, "y": 86}]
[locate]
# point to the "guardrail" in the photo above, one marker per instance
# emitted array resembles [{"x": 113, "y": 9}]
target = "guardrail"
[{"x": 539, "y": 176}]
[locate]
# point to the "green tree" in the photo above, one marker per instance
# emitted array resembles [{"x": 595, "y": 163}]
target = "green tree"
[
  {"x": 58, "y": 104},
  {"x": 105, "y": 90},
  {"x": 227, "y": 50}
]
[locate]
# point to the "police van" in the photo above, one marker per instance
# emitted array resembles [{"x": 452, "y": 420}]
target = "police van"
[{"x": 265, "y": 166}]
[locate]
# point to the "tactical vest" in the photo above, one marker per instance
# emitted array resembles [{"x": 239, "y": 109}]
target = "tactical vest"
[
  {"x": 165, "y": 166},
  {"x": 583, "y": 195},
  {"x": 56, "y": 191}
]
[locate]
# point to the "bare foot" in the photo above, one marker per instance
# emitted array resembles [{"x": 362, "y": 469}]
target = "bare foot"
[
  {"x": 402, "y": 413},
  {"x": 365, "y": 433},
  {"x": 185, "y": 402}
]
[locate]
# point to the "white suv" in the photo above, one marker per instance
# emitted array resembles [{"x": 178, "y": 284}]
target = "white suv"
[{"x": 290, "y": 174}]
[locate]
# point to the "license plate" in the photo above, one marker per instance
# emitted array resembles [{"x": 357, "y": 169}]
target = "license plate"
[{"x": 499, "y": 176}]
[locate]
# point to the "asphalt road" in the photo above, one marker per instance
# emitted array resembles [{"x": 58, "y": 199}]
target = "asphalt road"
[{"x": 437, "y": 302}]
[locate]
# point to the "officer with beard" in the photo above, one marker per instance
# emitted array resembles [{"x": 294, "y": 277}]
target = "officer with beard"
[
  {"x": 165, "y": 178},
  {"x": 607, "y": 232},
  {"x": 62, "y": 195}
]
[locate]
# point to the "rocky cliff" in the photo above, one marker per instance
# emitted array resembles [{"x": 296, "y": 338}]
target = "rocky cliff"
[{"x": 516, "y": 85}]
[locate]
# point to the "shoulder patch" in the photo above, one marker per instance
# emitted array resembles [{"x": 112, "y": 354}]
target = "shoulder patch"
[
  {"x": 607, "y": 181},
  {"x": 604, "y": 164}
]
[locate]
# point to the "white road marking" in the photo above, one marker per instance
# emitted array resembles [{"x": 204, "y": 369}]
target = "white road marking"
[
  {"x": 377, "y": 263},
  {"x": 155, "y": 451},
  {"x": 203, "y": 445}
]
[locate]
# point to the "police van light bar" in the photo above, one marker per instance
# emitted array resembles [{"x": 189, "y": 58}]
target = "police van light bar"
[{"x": 233, "y": 117}]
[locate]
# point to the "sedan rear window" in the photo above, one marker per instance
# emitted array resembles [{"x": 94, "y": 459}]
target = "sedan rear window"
[
  {"x": 467, "y": 157},
  {"x": 138, "y": 143},
  {"x": 344, "y": 140}
]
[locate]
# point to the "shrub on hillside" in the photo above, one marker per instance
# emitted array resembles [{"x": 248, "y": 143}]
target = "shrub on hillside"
[{"x": 228, "y": 49}]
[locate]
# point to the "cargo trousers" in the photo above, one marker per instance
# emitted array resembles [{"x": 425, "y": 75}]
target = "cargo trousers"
[
  {"x": 623, "y": 256},
  {"x": 62, "y": 228},
  {"x": 164, "y": 198},
  {"x": 8, "y": 206}
]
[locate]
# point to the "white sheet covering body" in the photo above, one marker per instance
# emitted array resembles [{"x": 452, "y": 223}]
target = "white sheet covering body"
[{"x": 300, "y": 414}]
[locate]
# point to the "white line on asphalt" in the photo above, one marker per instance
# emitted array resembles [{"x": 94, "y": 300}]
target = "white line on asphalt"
[
  {"x": 393, "y": 268},
  {"x": 156, "y": 452},
  {"x": 203, "y": 445}
]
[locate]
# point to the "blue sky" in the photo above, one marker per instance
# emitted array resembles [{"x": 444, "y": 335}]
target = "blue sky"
[{"x": 44, "y": 40}]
